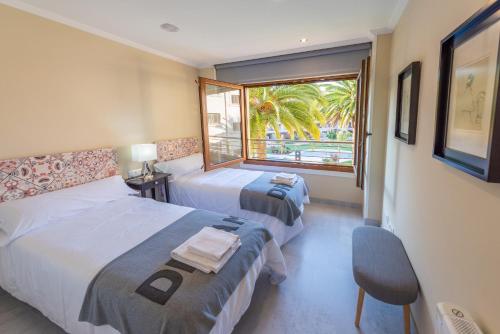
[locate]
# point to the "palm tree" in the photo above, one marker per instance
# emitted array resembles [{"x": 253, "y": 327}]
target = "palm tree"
[
  {"x": 296, "y": 107},
  {"x": 340, "y": 102}
]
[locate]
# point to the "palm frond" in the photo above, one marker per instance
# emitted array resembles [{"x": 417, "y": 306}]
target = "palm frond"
[{"x": 301, "y": 108}]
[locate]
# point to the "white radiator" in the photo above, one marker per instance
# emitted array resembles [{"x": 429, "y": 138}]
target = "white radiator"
[{"x": 453, "y": 319}]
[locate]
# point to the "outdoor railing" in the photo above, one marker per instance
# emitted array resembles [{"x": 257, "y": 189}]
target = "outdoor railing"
[
  {"x": 329, "y": 152},
  {"x": 224, "y": 149}
]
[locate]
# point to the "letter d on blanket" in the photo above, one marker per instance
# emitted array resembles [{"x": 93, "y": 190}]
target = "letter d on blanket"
[
  {"x": 152, "y": 290},
  {"x": 277, "y": 193}
]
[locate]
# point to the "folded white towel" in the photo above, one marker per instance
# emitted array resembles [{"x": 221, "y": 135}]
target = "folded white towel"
[
  {"x": 212, "y": 243},
  {"x": 288, "y": 183},
  {"x": 285, "y": 180},
  {"x": 182, "y": 254},
  {"x": 285, "y": 176}
]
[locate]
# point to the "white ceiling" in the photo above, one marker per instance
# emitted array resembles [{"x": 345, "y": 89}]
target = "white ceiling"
[{"x": 218, "y": 31}]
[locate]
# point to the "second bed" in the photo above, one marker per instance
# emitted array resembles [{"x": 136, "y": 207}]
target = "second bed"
[{"x": 225, "y": 190}]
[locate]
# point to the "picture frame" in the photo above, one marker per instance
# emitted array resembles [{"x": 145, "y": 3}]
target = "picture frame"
[
  {"x": 467, "y": 133},
  {"x": 407, "y": 103}
]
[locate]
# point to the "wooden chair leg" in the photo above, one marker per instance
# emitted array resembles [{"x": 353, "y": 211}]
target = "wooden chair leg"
[
  {"x": 359, "y": 308},
  {"x": 406, "y": 316}
]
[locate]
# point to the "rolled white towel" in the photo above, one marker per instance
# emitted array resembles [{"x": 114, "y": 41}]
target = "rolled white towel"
[
  {"x": 182, "y": 254},
  {"x": 212, "y": 243}
]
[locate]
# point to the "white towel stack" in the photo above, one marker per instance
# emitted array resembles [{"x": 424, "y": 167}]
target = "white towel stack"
[
  {"x": 285, "y": 178},
  {"x": 208, "y": 250}
]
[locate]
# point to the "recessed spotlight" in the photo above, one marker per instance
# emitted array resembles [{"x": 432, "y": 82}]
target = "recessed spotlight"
[
  {"x": 169, "y": 27},
  {"x": 303, "y": 40}
]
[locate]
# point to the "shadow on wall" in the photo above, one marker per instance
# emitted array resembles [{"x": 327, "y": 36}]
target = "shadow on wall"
[
  {"x": 420, "y": 308},
  {"x": 391, "y": 182},
  {"x": 491, "y": 188}
]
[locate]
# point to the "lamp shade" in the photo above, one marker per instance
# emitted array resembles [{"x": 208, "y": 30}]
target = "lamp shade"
[{"x": 144, "y": 152}]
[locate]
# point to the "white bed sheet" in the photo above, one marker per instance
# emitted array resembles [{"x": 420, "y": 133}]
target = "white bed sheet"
[
  {"x": 50, "y": 268},
  {"x": 219, "y": 190}
]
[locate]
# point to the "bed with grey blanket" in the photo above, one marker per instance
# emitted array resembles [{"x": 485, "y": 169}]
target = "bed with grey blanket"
[
  {"x": 145, "y": 291},
  {"x": 278, "y": 200}
]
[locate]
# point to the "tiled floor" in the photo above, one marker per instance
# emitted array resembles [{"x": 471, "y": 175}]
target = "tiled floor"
[{"x": 319, "y": 295}]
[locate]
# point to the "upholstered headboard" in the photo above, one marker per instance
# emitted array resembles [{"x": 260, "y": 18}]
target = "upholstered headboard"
[
  {"x": 32, "y": 176},
  {"x": 177, "y": 148}
]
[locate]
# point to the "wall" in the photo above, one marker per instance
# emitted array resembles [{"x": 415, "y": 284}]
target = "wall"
[
  {"x": 62, "y": 89},
  {"x": 207, "y": 72},
  {"x": 377, "y": 125},
  {"x": 448, "y": 220}
]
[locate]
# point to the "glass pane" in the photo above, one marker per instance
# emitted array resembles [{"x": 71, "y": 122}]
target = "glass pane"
[
  {"x": 311, "y": 123},
  {"x": 224, "y": 124}
]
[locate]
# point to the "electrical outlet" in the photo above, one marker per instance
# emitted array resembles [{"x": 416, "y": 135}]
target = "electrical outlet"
[{"x": 134, "y": 173}]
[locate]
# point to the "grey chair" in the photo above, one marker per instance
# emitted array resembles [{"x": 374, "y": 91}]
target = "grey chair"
[{"x": 382, "y": 269}]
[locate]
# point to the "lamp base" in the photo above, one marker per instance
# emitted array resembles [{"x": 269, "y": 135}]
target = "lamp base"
[{"x": 146, "y": 172}]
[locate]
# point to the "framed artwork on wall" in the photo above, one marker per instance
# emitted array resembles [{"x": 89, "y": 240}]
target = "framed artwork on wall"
[
  {"x": 407, "y": 103},
  {"x": 467, "y": 133}
]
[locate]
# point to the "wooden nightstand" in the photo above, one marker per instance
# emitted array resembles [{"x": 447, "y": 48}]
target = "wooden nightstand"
[{"x": 156, "y": 188}]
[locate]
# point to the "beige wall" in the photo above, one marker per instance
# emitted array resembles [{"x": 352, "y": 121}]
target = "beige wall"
[
  {"x": 377, "y": 125},
  {"x": 340, "y": 189},
  {"x": 448, "y": 220},
  {"x": 62, "y": 89}
]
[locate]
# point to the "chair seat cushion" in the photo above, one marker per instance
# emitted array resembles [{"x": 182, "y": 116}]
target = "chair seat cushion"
[{"x": 381, "y": 266}]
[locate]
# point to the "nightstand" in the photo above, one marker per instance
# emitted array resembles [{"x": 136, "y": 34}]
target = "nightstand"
[{"x": 156, "y": 188}]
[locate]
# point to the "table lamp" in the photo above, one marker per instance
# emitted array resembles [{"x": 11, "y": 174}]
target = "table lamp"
[{"x": 144, "y": 153}]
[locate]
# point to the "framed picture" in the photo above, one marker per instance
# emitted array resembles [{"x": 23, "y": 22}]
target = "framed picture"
[
  {"x": 407, "y": 103},
  {"x": 468, "y": 111}
]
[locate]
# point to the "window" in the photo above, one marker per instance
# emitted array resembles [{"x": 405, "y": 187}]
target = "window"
[
  {"x": 310, "y": 124},
  {"x": 223, "y": 141},
  {"x": 235, "y": 99}
]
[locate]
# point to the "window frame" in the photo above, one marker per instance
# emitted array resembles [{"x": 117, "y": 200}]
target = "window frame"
[
  {"x": 362, "y": 119},
  {"x": 204, "y": 122},
  {"x": 293, "y": 164}
]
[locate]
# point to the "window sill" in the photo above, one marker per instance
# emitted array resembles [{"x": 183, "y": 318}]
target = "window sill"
[{"x": 283, "y": 167}]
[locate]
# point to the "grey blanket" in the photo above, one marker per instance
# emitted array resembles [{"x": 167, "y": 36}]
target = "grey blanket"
[
  {"x": 277, "y": 200},
  {"x": 145, "y": 291}
]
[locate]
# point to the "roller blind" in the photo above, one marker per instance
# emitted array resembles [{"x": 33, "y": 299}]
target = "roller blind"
[{"x": 324, "y": 62}]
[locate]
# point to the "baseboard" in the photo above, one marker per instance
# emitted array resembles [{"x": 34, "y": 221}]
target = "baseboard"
[
  {"x": 373, "y": 222},
  {"x": 335, "y": 202}
]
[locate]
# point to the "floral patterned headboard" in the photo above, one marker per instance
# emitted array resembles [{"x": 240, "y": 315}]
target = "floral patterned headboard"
[
  {"x": 177, "y": 148},
  {"x": 32, "y": 176}
]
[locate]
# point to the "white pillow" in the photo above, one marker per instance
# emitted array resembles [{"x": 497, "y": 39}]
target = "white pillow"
[
  {"x": 182, "y": 166},
  {"x": 22, "y": 216}
]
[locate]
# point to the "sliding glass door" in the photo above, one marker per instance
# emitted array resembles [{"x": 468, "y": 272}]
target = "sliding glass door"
[{"x": 222, "y": 120}]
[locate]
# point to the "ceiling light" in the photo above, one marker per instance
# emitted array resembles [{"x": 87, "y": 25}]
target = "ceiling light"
[
  {"x": 169, "y": 27},
  {"x": 303, "y": 40}
]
